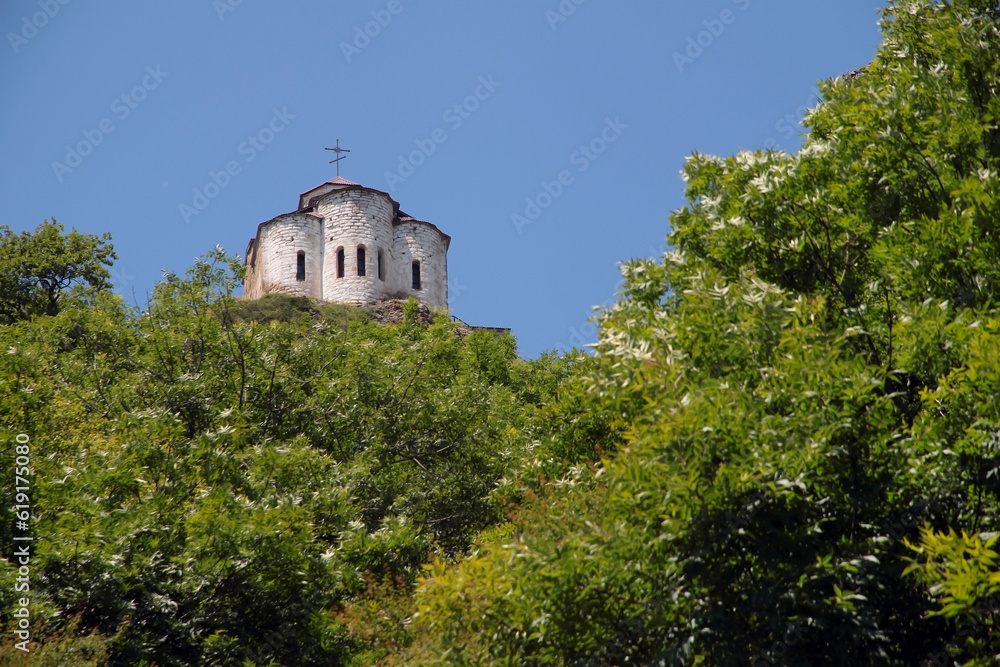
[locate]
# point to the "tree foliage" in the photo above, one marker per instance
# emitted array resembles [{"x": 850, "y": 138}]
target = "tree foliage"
[
  {"x": 786, "y": 449},
  {"x": 809, "y": 376},
  {"x": 961, "y": 571},
  {"x": 220, "y": 482},
  {"x": 37, "y": 269}
]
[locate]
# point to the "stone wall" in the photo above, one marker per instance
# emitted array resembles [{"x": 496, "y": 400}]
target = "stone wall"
[
  {"x": 348, "y": 219},
  {"x": 276, "y": 259},
  {"x": 421, "y": 242},
  {"x": 355, "y": 219}
]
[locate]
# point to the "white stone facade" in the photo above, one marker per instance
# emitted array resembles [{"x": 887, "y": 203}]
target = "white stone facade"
[{"x": 349, "y": 244}]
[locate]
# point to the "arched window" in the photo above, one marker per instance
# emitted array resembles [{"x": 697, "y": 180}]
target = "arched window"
[
  {"x": 361, "y": 260},
  {"x": 300, "y": 268},
  {"x": 381, "y": 267},
  {"x": 416, "y": 275},
  {"x": 340, "y": 263}
]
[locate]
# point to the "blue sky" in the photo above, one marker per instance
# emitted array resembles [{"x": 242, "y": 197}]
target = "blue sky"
[{"x": 544, "y": 136}]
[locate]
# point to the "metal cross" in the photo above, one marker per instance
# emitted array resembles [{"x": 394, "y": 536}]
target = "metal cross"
[{"x": 338, "y": 150}]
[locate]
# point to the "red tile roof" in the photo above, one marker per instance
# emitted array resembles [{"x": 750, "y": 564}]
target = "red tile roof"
[{"x": 340, "y": 180}]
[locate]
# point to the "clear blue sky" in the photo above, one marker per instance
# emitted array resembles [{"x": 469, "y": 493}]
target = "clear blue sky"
[{"x": 182, "y": 86}]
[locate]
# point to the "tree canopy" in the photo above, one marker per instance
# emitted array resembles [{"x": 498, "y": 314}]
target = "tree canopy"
[
  {"x": 37, "y": 269},
  {"x": 225, "y": 482},
  {"x": 784, "y": 451},
  {"x": 810, "y": 375}
]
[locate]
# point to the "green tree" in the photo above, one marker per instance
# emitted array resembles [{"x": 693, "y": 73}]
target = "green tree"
[
  {"x": 961, "y": 571},
  {"x": 808, "y": 376},
  {"x": 37, "y": 269},
  {"x": 225, "y": 483}
]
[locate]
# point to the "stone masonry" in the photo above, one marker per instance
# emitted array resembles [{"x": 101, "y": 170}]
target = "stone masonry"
[{"x": 347, "y": 243}]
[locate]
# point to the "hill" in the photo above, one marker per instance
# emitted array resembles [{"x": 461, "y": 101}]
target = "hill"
[
  {"x": 785, "y": 449},
  {"x": 219, "y": 481}
]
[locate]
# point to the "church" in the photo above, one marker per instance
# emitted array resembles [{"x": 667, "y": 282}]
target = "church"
[{"x": 347, "y": 243}]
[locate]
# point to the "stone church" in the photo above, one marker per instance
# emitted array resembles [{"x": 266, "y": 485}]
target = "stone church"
[{"x": 348, "y": 243}]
